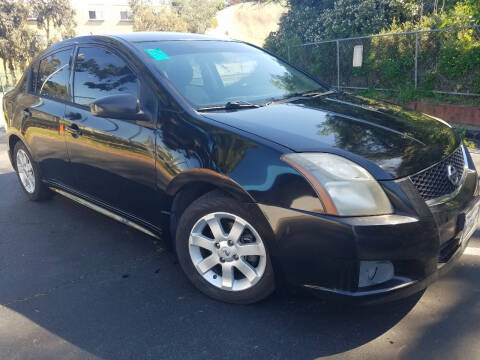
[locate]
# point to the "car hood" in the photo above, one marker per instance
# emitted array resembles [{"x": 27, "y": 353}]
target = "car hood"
[{"x": 399, "y": 141}]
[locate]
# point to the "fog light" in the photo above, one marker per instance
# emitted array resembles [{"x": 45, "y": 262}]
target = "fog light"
[{"x": 375, "y": 272}]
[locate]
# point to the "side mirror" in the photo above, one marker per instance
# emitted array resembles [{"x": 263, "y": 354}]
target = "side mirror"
[{"x": 120, "y": 106}]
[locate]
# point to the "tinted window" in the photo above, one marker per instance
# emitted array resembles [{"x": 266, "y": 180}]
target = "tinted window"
[
  {"x": 215, "y": 72},
  {"x": 52, "y": 76},
  {"x": 100, "y": 73}
]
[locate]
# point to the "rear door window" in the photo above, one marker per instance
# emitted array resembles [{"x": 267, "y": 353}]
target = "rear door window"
[
  {"x": 99, "y": 73},
  {"x": 52, "y": 76}
]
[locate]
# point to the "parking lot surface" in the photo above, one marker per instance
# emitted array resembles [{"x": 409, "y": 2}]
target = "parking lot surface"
[{"x": 77, "y": 285}]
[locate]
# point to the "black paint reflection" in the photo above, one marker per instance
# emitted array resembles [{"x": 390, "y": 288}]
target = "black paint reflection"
[
  {"x": 99, "y": 73},
  {"x": 53, "y": 74},
  {"x": 422, "y": 139}
]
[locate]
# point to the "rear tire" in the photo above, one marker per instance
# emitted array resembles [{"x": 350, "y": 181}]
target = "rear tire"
[
  {"x": 222, "y": 251},
  {"x": 28, "y": 174}
]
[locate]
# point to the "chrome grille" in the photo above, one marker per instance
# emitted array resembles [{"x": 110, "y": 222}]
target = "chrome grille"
[{"x": 433, "y": 182}]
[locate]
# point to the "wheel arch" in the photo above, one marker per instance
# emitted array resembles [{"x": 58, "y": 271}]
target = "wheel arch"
[
  {"x": 194, "y": 183},
  {"x": 13, "y": 139},
  {"x": 211, "y": 177}
]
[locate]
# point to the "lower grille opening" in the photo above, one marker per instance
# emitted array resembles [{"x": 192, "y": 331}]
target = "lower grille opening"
[{"x": 448, "y": 249}]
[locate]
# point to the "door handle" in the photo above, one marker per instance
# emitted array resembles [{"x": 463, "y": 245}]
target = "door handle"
[
  {"x": 74, "y": 130},
  {"x": 27, "y": 114}
]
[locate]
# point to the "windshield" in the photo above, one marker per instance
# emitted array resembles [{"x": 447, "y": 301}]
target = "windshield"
[{"x": 212, "y": 73}]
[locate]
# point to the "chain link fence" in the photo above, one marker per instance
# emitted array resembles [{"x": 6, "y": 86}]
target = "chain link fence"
[{"x": 443, "y": 60}]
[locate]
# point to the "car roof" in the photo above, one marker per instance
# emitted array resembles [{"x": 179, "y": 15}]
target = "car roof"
[
  {"x": 133, "y": 37},
  {"x": 158, "y": 36},
  {"x": 138, "y": 37}
]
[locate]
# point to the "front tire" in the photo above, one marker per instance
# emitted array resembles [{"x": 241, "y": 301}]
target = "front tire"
[
  {"x": 28, "y": 174},
  {"x": 221, "y": 249}
]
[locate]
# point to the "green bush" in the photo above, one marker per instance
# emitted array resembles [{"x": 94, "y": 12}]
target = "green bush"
[
  {"x": 459, "y": 58},
  {"x": 447, "y": 60}
]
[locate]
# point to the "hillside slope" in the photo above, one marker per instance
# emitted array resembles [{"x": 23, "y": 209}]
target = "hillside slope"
[{"x": 249, "y": 22}]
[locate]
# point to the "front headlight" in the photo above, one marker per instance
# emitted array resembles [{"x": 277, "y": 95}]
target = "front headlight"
[{"x": 345, "y": 188}]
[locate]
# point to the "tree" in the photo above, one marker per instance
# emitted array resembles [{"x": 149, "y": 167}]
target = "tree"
[
  {"x": 182, "y": 15},
  {"x": 54, "y": 14},
  {"x": 353, "y": 17},
  {"x": 11, "y": 17},
  {"x": 198, "y": 14},
  {"x": 18, "y": 44},
  {"x": 310, "y": 20},
  {"x": 147, "y": 17},
  {"x": 234, "y": 2}
]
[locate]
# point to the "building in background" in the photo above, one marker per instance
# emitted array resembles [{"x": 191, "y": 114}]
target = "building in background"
[
  {"x": 102, "y": 16},
  {"x": 248, "y": 21}
]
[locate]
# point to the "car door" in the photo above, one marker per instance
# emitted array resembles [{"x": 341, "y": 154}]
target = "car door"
[
  {"x": 112, "y": 159},
  {"x": 43, "y": 109}
]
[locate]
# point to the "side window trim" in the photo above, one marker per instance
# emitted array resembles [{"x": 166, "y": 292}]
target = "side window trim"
[
  {"x": 72, "y": 75},
  {"x": 36, "y": 69},
  {"x": 29, "y": 88},
  {"x": 34, "y": 74},
  {"x": 73, "y": 56},
  {"x": 98, "y": 46},
  {"x": 50, "y": 76},
  {"x": 142, "y": 83}
]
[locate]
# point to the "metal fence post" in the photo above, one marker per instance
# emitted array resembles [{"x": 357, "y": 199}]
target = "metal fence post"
[
  {"x": 409, "y": 33},
  {"x": 288, "y": 53},
  {"x": 338, "y": 64},
  {"x": 416, "y": 59}
]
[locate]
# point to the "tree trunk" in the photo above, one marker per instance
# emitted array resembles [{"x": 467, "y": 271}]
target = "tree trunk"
[
  {"x": 5, "y": 71},
  {"x": 12, "y": 69},
  {"x": 1, "y": 84},
  {"x": 47, "y": 31}
]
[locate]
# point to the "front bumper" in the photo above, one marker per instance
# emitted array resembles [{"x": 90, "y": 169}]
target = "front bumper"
[
  {"x": 398, "y": 287},
  {"x": 322, "y": 253}
]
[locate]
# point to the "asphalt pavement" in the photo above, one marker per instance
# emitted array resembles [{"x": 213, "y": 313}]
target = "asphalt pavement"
[{"x": 75, "y": 284}]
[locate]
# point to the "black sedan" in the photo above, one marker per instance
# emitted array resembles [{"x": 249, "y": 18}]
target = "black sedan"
[{"x": 255, "y": 170}]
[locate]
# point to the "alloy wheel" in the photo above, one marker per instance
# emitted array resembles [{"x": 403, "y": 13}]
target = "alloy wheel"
[
  {"x": 227, "y": 251},
  {"x": 25, "y": 171}
]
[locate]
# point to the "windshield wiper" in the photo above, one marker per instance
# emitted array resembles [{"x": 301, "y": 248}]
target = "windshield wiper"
[
  {"x": 299, "y": 96},
  {"x": 315, "y": 94},
  {"x": 235, "y": 105},
  {"x": 231, "y": 105}
]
